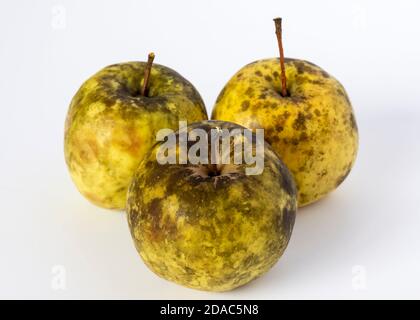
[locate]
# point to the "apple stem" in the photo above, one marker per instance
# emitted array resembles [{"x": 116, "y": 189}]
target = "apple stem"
[
  {"x": 147, "y": 70},
  {"x": 277, "y": 22}
]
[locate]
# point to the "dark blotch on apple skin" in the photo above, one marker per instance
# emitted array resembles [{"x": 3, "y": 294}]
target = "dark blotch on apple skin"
[
  {"x": 258, "y": 73},
  {"x": 325, "y": 74},
  {"x": 288, "y": 220},
  {"x": 250, "y": 92},
  {"x": 105, "y": 93},
  {"x": 318, "y": 82},
  {"x": 294, "y": 141},
  {"x": 306, "y": 67},
  {"x": 245, "y": 105},
  {"x": 268, "y": 78},
  {"x": 302, "y": 67},
  {"x": 299, "y": 123},
  {"x": 340, "y": 92},
  {"x": 249, "y": 261},
  {"x": 271, "y": 135},
  {"x": 287, "y": 181},
  {"x": 303, "y": 196},
  {"x": 154, "y": 208},
  {"x": 303, "y": 136},
  {"x": 323, "y": 173}
]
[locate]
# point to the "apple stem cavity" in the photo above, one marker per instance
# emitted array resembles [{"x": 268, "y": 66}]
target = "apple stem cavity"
[
  {"x": 277, "y": 22},
  {"x": 145, "y": 88}
]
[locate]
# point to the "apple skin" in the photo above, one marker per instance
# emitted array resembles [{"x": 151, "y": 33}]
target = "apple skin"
[
  {"x": 110, "y": 126},
  {"x": 211, "y": 233},
  {"x": 313, "y": 130}
]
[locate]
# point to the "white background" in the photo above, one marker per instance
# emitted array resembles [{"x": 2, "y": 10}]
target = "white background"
[{"x": 363, "y": 241}]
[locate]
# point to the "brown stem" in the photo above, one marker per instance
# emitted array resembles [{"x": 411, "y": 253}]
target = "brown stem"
[
  {"x": 277, "y": 22},
  {"x": 147, "y": 70}
]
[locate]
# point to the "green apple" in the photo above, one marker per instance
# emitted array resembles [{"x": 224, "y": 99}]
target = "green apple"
[
  {"x": 111, "y": 124},
  {"x": 211, "y": 226},
  {"x": 308, "y": 119}
]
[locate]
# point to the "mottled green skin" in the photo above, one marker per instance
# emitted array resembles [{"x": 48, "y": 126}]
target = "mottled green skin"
[
  {"x": 313, "y": 129},
  {"x": 211, "y": 232},
  {"x": 110, "y": 126}
]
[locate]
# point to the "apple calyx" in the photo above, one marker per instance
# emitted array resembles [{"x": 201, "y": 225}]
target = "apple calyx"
[
  {"x": 145, "y": 88},
  {"x": 277, "y": 22}
]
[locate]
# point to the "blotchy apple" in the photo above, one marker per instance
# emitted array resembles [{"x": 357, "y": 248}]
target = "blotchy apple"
[
  {"x": 110, "y": 126},
  {"x": 313, "y": 129},
  {"x": 211, "y": 227}
]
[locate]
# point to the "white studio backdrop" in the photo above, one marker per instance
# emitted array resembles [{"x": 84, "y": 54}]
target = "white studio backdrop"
[{"x": 362, "y": 241}]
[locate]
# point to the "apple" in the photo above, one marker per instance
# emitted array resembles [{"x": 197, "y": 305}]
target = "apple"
[
  {"x": 112, "y": 123},
  {"x": 307, "y": 117},
  {"x": 211, "y": 226}
]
